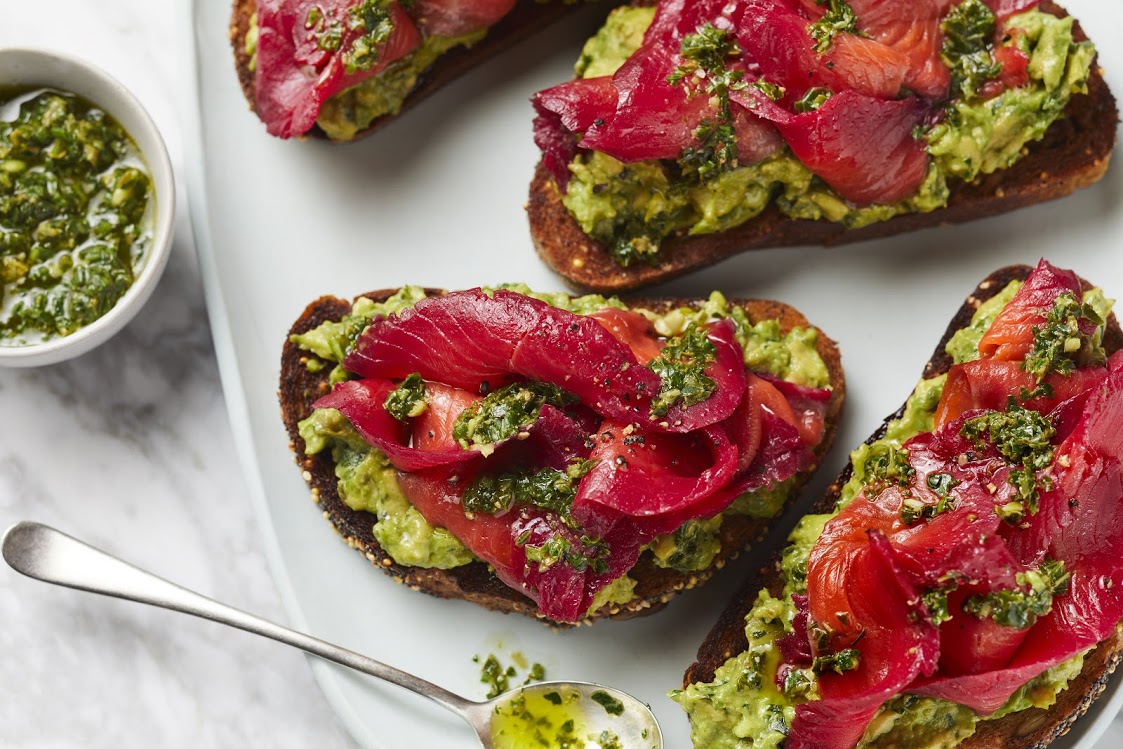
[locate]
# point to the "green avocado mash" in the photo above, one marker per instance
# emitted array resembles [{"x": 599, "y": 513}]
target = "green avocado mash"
[
  {"x": 367, "y": 481},
  {"x": 742, "y": 708},
  {"x": 352, "y": 110},
  {"x": 631, "y": 208}
]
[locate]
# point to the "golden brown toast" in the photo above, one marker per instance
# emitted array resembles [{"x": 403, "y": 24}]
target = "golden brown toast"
[
  {"x": 1022, "y": 730},
  {"x": 1073, "y": 154},
  {"x": 299, "y": 388}
]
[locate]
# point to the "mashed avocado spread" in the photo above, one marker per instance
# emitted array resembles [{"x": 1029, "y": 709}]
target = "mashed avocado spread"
[
  {"x": 366, "y": 480},
  {"x": 743, "y": 708},
  {"x": 631, "y": 207}
]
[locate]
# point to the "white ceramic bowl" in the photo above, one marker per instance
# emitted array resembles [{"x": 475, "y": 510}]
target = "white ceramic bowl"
[{"x": 33, "y": 67}]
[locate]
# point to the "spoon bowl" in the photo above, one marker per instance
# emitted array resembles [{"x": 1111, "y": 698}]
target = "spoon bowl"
[
  {"x": 589, "y": 714},
  {"x": 552, "y": 710}
]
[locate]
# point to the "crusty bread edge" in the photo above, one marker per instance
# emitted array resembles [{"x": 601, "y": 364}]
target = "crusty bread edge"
[
  {"x": 1022, "y": 730},
  {"x": 1074, "y": 154},
  {"x": 527, "y": 17},
  {"x": 655, "y": 586}
]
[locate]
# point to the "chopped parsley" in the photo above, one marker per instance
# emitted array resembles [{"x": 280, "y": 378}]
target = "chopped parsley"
[
  {"x": 681, "y": 367},
  {"x": 813, "y": 99},
  {"x": 936, "y": 603},
  {"x": 913, "y": 510},
  {"x": 839, "y": 19},
  {"x": 407, "y": 401},
  {"x": 497, "y": 678},
  {"x": 1020, "y": 608},
  {"x": 797, "y": 684},
  {"x": 1023, "y": 437},
  {"x": 715, "y": 152},
  {"x": 704, "y": 54},
  {"x": 640, "y": 246},
  {"x": 591, "y": 555},
  {"x": 968, "y": 31},
  {"x": 844, "y": 660},
  {"x": 885, "y": 466},
  {"x": 370, "y": 19},
  {"x": 326, "y": 31},
  {"x": 773, "y": 91},
  {"x": 369, "y": 24},
  {"x": 1059, "y": 345},
  {"x": 505, "y": 412},
  {"x": 547, "y": 488},
  {"x": 611, "y": 705}
]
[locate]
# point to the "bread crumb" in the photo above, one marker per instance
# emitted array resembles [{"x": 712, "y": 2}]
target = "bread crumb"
[{"x": 578, "y": 262}]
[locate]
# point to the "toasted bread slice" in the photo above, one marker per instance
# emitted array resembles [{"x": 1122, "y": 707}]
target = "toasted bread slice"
[
  {"x": 655, "y": 586},
  {"x": 1025, "y": 729},
  {"x": 1073, "y": 154},
  {"x": 527, "y": 17}
]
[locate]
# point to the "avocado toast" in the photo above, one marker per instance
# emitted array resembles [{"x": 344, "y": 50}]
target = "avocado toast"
[
  {"x": 305, "y": 379},
  {"x": 630, "y": 216},
  {"x": 1058, "y": 696},
  {"x": 437, "y": 59}
]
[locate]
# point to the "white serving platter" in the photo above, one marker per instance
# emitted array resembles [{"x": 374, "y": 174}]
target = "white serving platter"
[{"x": 437, "y": 199}]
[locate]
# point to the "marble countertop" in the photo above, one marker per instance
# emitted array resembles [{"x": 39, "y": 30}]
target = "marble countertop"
[{"x": 129, "y": 448}]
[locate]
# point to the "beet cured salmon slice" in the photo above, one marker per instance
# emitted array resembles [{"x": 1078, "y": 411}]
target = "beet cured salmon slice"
[
  {"x": 860, "y": 145},
  {"x": 564, "y": 593},
  {"x": 1011, "y": 335},
  {"x": 656, "y": 481},
  {"x": 1079, "y": 523},
  {"x": 896, "y": 642},
  {"x": 556, "y": 446},
  {"x": 457, "y": 17},
  {"x": 988, "y": 383},
  {"x": 779, "y": 41}
]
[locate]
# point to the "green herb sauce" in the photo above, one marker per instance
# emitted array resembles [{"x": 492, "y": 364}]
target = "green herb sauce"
[
  {"x": 1023, "y": 437},
  {"x": 555, "y": 719},
  {"x": 407, "y": 401},
  {"x": 547, "y": 488},
  {"x": 682, "y": 370},
  {"x": 1059, "y": 345},
  {"x": 76, "y": 213},
  {"x": 1020, "y": 608},
  {"x": 504, "y": 413},
  {"x": 838, "y": 19}
]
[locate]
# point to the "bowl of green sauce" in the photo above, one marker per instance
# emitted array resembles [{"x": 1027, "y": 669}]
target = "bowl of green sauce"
[{"x": 87, "y": 205}]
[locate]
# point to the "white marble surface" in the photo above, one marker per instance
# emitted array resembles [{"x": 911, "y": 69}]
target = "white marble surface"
[{"x": 129, "y": 448}]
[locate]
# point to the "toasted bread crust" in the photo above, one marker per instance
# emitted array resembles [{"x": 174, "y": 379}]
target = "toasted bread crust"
[
  {"x": 1025, "y": 729},
  {"x": 299, "y": 388},
  {"x": 527, "y": 17},
  {"x": 1073, "y": 154}
]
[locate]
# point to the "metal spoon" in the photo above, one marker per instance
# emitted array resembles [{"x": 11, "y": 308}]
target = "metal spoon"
[{"x": 46, "y": 554}]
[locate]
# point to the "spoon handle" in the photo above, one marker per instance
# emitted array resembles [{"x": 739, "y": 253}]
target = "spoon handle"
[{"x": 46, "y": 554}]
